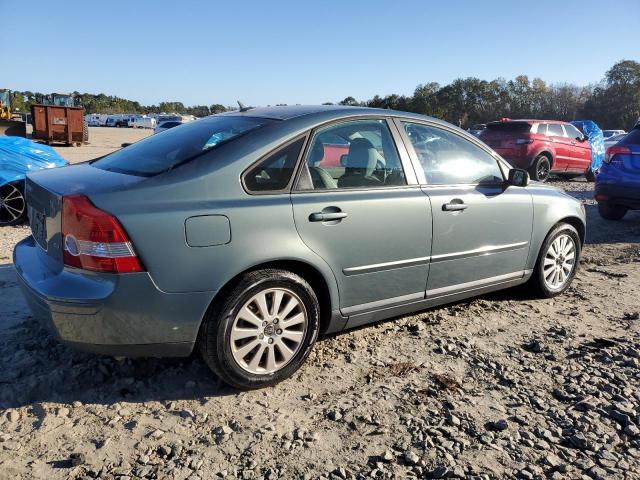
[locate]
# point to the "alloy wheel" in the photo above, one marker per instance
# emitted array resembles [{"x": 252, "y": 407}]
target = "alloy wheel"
[
  {"x": 12, "y": 204},
  {"x": 542, "y": 169},
  {"x": 268, "y": 331},
  {"x": 559, "y": 262}
]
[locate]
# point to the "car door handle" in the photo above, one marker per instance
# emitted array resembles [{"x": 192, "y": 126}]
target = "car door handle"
[
  {"x": 454, "y": 206},
  {"x": 326, "y": 216}
]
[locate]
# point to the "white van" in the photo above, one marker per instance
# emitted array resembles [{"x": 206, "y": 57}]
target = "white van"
[{"x": 143, "y": 122}]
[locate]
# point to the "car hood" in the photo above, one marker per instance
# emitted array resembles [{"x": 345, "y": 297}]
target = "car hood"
[{"x": 19, "y": 156}]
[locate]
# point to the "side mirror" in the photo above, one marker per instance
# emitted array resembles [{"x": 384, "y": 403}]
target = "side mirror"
[
  {"x": 583, "y": 138},
  {"x": 518, "y": 177},
  {"x": 125, "y": 145}
]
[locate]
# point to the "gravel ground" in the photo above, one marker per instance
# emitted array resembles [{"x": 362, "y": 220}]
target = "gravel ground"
[{"x": 501, "y": 386}]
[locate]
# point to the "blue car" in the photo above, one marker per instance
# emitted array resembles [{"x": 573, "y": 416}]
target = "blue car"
[
  {"x": 618, "y": 183},
  {"x": 19, "y": 156}
]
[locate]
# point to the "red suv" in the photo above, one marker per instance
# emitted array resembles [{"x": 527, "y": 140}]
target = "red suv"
[{"x": 540, "y": 146}]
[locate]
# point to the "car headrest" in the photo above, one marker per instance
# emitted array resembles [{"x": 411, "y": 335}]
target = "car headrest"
[
  {"x": 317, "y": 154},
  {"x": 362, "y": 155}
]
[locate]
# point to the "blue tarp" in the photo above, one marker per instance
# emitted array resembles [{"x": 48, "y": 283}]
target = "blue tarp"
[
  {"x": 19, "y": 156},
  {"x": 596, "y": 140}
]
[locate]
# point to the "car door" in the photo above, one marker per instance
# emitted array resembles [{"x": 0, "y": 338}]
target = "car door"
[
  {"x": 481, "y": 226},
  {"x": 561, "y": 145},
  {"x": 580, "y": 150},
  {"x": 366, "y": 217}
]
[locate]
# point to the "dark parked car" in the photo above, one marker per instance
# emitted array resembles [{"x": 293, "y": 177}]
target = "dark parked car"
[
  {"x": 540, "y": 146},
  {"x": 618, "y": 183},
  {"x": 123, "y": 122},
  {"x": 247, "y": 234}
]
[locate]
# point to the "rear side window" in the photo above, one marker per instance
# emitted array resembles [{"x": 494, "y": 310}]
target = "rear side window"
[
  {"x": 509, "y": 127},
  {"x": 555, "y": 130},
  {"x": 631, "y": 138},
  {"x": 273, "y": 173},
  {"x": 572, "y": 132},
  {"x": 177, "y": 146},
  {"x": 542, "y": 129}
]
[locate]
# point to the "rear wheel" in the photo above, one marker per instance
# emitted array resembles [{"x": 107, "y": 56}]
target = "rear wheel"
[
  {"x": 558, "y": 261},
  {"x": 541, "y": 168},
  {"x": 611, "y": 211},
  {"x": 262, "y": 330},
  {"x": 13, "y": 208}
]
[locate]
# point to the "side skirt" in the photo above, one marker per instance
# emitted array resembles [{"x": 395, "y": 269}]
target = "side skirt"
[{"x": 358, "y": 320}]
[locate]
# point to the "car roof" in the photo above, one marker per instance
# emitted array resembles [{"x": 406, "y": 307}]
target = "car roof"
[
  {"x": 326, "y": 113},
  {"x": 526, "y": 120}
]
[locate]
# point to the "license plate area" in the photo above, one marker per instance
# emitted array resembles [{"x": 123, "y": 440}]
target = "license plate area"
[{"x": 38, "y": 223}]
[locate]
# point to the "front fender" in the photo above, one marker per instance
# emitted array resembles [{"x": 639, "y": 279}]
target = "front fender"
[{"x": 551, "y": 206}]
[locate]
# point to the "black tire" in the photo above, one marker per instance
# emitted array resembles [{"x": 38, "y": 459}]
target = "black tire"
[
  {"x": 611, "y": 211},
  {"x": 590, "y": 175},
  {"x": 541, "y": 168},
  {"x": 538, "y": 277},
  {"x": 215, "y": 336},
  {"x": 11, "y": 216}
]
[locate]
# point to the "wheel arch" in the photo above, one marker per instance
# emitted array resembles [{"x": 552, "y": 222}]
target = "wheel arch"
[
  {"x": 576, "y": 223},
  {"x": 547, "y": 153},
  {"x": 319, "y": 283}
]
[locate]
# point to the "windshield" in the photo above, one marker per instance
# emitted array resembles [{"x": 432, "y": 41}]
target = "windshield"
[{"x": 171, "y": 148}]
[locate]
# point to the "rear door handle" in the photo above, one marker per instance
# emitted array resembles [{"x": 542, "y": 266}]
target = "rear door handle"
[
  {"x": 454, "y": 206},
  {"x": 326, "y": 216}
]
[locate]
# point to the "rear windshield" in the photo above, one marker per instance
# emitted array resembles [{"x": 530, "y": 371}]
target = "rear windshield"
[
  {"x": 509, "y": 127},
  {"x": 631, "y": 138},
  {"x": 171, "y": 148}
]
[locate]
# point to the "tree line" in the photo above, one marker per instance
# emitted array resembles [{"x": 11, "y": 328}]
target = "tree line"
[{"x": 614, "y": 102}]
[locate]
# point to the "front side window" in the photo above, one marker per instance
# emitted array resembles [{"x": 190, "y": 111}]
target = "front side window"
[
  {"x": 274, "y": 172},
  {"x": 161, "y": 153},
  {"x": 555, "y": 130},
  {"x": 353, "y": 154},
  {"x": 449, "y": 159}
]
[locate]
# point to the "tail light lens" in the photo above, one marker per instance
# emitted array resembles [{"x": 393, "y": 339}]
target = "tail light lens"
[
  {"x": 615, "y": 150},
  {"x": 94, "y": 240}
]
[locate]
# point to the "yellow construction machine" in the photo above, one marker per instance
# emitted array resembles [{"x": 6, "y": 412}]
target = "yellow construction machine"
[{"x": 10, "y": 122}]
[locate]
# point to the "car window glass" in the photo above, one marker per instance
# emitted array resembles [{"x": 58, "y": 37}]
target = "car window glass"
[
  {"x": 354, "y": 154},
  {"x": 160, "y": 153},
  {"x": 449, "y": 159},
  {"x": 542, "y": 129},
  {"x": 572, "y": 132},
  {"x": 275, "y": 171},
  {"x": 555, "y": 130}
]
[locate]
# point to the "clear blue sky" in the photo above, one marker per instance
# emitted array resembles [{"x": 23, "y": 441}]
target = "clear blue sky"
[{"x": 304, "y": 51}]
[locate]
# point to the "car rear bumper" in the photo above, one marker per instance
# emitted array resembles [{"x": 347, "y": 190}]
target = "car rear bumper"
[
  {"x": 625, "y": 195},
  {"x": 119, "y": 315}
]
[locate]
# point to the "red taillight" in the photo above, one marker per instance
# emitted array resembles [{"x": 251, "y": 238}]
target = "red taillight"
[
  {"x": 94, "y": 240},
  {"x": 615, "y": 150}
]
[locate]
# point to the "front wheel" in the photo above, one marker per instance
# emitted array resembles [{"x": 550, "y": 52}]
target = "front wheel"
[
  {"x": 611, "y": 211},
  {"x": 540, "y": 169},
  {"x": 13, "y": 207},
  {"x": 558, "y": 261},
  {"x": 262, "y": 330}
]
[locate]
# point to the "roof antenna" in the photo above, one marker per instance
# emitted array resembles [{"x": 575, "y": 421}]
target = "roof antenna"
[{"x": 243, "y": 107}]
